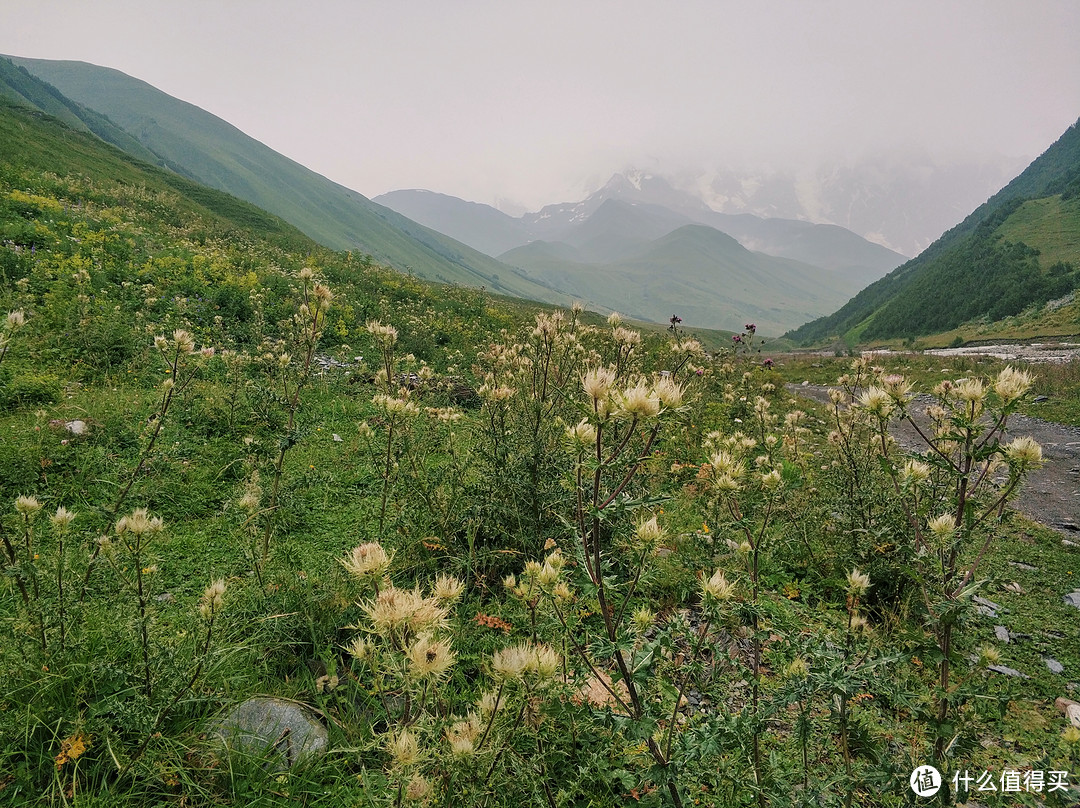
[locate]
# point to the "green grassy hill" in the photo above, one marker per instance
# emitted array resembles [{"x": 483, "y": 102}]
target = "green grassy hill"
[
  {"x": 1017, "y": 251},
  {"x": 203, "y": 147}
]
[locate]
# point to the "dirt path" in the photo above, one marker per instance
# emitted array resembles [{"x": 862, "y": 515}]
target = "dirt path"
[{"x": 1051, "y": 494}]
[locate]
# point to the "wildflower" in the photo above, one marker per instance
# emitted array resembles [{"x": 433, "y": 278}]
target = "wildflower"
[
  {"x": 581, "y": 436},
  {"x": 511, "y": 663},
  {"x": 358, "y": 648},
  {"x": 161, "y": 343},
  {"x": 989, "y": 655},
  {"x": 669, "y": 393},
  {"x": 15, "y": 319},
  {"x": 772, "y": 480},
  {"x": 972, "y": 391},
  {"x": 404, "y": 749},
  {"x": 896, "y": 386},
  {"x": 462, "y": 736},
  {"x": 1071, "y": 735},
  {"x": 306, "y": 274},
  {"x": 597, "y": 383},
  {"x": 625, "y": 337},
  {"x": 562, "y": 591},
  {"x": 185, "y": 343},
  {"x": 544, "y": 662},
  {"x": 858, "y": 582},
  {"x": 614, "y": 319},
  {"x": 859, "y": 624},
  {"x": 27, "y": 507},
  {"x": 489, "y": 703},
  {"x": 1011, "y": 384},
  {"x": 430, "y": 659},
  {"x": 876, "y": 402},
  {"x": 367, "y": 559},
  {"x": 447, "y": 589},
  {"x": 62, "y": 518},
  {"x": 510, "y": 581},
  {"x": 139, "y": 522},
  {"x": 1024, "y": 452},
  {"x": 212, "y": 599},
  {"x": 942, "y": 527},
  {"x": 322, "y": 295},
  {"x": 718, "y": 588},
  {"x": 914, "y": 471},
  {"x": 548, "y": 576},
  {"x": 385, "y": 335},
  {"x": 648, "y": 532}
]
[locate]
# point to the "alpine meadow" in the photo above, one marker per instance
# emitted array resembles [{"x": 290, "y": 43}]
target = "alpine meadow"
[{"x": 282, "y": 524}]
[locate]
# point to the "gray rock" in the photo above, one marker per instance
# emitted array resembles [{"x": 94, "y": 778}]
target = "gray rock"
[
  {"x": 1073, "y": 598},
  {"x": 282, "y": 732},
  {"x": 1007, "y": 671},
  {"x": 1022, "y": 566},
  {"x": 1001, "y": 633},
  {"x": 1054, "y": 665},
  {"x": 986, "y": 607}
]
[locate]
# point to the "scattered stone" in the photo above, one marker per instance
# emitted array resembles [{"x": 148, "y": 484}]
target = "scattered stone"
[
  {"x": 1054, "y": 665},
  {"x": 806, "y": 383},
  {"x": 165, "y": 597},
  {"x": 337, "y": 439},
  {"x": 1040, "y": 399},
  {"x": 283, "y": 732},
  {"x": 1069, "y": 526},
  {"x": 1067, "y": 543},
  {"x": 1001, "y": 633},
  {"x": 1007, "y": 671},
  {"x": 985, "y": 607},
  {"x": 1014, "y": 587},
  {"x": 1071, "y": 710},
  {"x": 1020, "y": 565},
  {"x": 1073, "y": 599}
]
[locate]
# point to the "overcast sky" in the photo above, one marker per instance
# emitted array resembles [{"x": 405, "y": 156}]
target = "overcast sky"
[{"x": 537, "y": 101}]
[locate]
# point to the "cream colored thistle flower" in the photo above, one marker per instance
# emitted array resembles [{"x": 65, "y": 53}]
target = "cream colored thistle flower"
[
  {"x": 27, "y": 507},
  {"x": 212, "y": 599},
  {"x": 404, "y": 749},
  {"x": 597, "y": 383},
  {"x": 1011, "y": 384},
  {"x": 366, "y": 560},
  {"x": 718, "y": 587},
  {"x": 430, "y": 658},
  {"x": 511, "y": 663},
  {"x": 1024, "y": 452},
  {"x": 447, "y": 589},
  {"x": 858, "y": 582},
  {"x": 876, "y": 401},
  {"x": 942, "y": 527},
  {"x": 62, "y": 518}
]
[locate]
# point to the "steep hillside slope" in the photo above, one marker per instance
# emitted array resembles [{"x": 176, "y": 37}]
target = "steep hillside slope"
[
  {"x": 197, "y": 144},
  {"x": 990, "y": 266}
]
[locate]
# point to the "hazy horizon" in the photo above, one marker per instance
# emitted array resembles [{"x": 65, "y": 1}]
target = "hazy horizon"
[{"x": 500, "y": 101}]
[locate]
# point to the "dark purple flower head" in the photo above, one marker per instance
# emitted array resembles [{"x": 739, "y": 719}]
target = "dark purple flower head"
[
  {"x": 700, "y": 372},
  {"x": 736, "y": 337},
  {"x": 675, "y": 319},
  {"x": 750, "y": 327},
  {"x": 767, "y": 363}
]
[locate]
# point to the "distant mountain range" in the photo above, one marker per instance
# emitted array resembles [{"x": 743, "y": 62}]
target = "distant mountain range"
[
  {"x": 640, "y": 244},
  {"x": 642, "y": 247}
]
